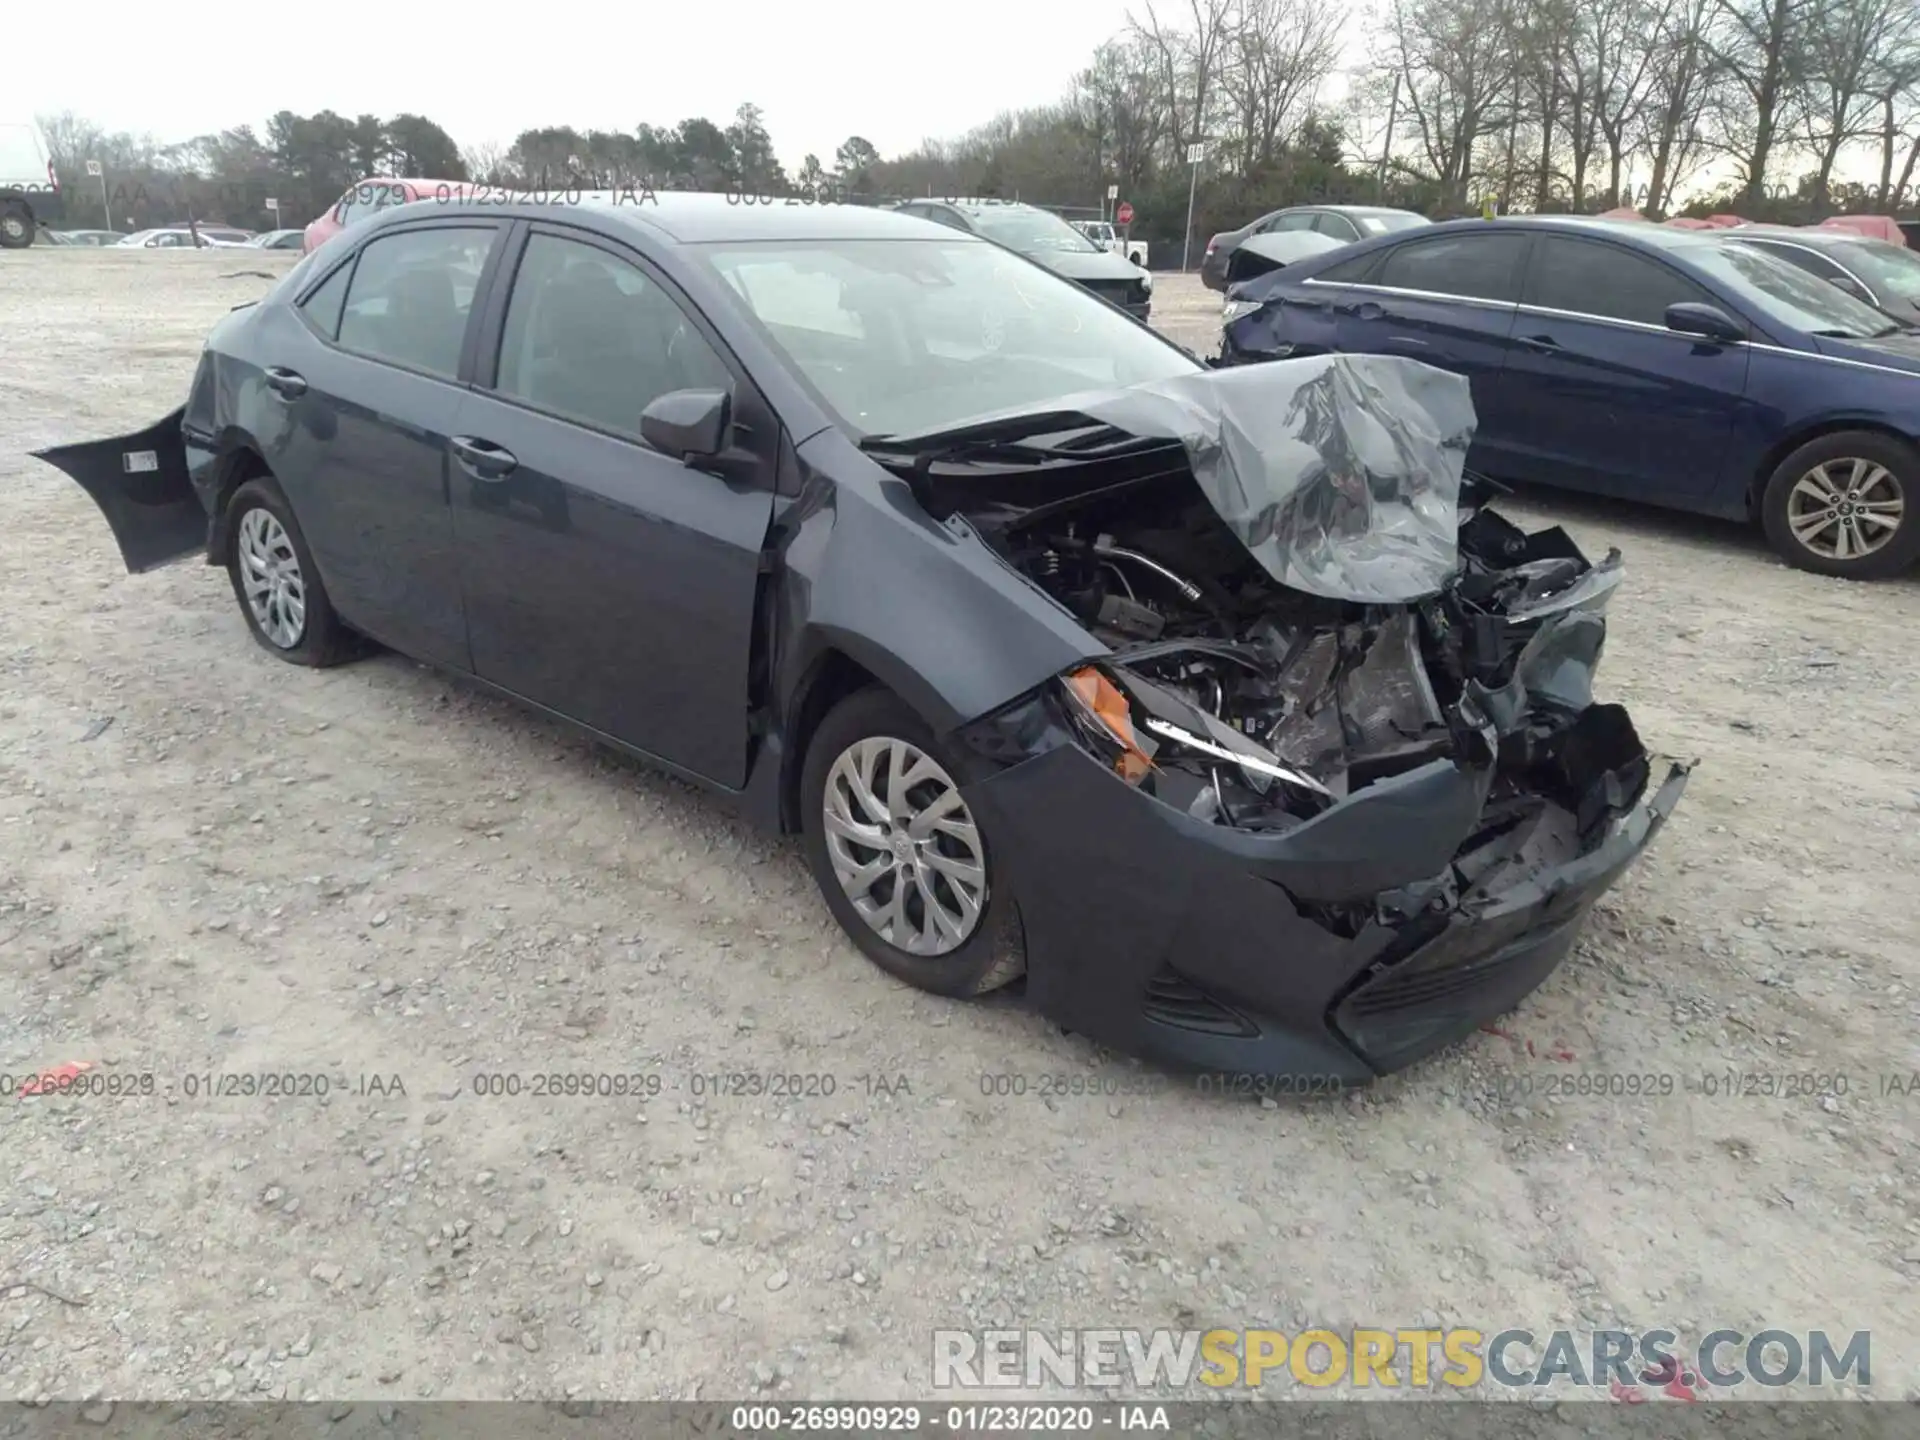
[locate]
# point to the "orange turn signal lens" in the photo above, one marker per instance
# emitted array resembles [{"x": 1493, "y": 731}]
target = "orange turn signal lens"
[{"x": 1102, "y": 702}]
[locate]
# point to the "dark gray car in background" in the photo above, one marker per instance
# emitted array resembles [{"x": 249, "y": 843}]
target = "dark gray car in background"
[
  {"x": 1343, "y": 224},
  {"x": 1880, "y": 273},
  {"x": 1045, "y": 239},
  {"x": 1215, "y": 703}
]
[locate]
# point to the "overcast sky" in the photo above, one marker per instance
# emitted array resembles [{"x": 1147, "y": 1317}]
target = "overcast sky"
[{"x": 821, "y": 71}]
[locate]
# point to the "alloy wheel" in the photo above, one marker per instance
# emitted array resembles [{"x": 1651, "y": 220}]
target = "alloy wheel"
[
  {"x": 1846, "y": 509},
  {"x": 270, "y": 574},
  {"x": 904, "y": 846}
]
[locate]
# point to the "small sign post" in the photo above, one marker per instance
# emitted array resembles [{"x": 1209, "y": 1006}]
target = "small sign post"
[
  {"x": 1113, "y": 194},
  {"x": 99, "y": 172},
  {"x": 1194, "y": 153}
]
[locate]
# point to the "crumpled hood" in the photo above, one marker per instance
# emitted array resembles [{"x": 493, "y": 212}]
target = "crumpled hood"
[{"x": 1339, "y": 473}]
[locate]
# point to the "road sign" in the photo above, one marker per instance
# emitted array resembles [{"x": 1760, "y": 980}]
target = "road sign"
[
  {"x": 273, "y": 205},
  {"x": 1113, "y": 192},
  {"x": 1194, "y": 152},
  {"x": 93, "y": 167},
  {"x": 1124, "y": 215}
]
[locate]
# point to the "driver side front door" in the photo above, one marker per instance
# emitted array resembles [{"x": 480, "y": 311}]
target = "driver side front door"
[{"x": 604, "y": 580}]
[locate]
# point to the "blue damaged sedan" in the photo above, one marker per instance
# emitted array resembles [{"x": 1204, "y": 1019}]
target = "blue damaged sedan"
[{"x": 1654, "y": 364}]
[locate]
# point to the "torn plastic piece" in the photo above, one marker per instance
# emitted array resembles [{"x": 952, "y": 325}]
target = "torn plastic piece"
[
  {"x": 1554, "y": 668},
  {"x": 1341, "y": 474}
]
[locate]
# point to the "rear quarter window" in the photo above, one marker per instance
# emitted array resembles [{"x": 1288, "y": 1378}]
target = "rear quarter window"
[{"x": 1470, "y": 266}]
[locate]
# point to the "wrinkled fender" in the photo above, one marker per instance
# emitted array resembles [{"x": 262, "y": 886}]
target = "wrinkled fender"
[{"x": 925, "y": 607}]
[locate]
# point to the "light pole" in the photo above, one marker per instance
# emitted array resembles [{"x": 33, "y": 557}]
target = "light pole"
[{"x": 1194, "y": 152}]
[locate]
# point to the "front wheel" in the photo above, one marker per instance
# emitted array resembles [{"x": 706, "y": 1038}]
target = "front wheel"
[
  {"x": 898, "y": 854},
  {"x": 16, "y": 228},
  {"x": 1843, "y": 505}
]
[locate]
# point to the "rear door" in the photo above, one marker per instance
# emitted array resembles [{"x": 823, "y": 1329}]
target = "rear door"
[
  {"x": 605, "y": 580},
  {"x": 364, "y": 385},
  {"x": 1450, "y": 301},
  {"x": 1604, "y": 396}
]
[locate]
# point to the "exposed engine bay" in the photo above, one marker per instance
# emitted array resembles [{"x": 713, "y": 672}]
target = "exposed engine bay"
[
  {"x": 1303, "y": 592},
  {"x": 1285, "y": 702}
]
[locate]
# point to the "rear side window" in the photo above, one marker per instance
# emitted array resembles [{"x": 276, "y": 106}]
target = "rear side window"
[
  {"x": 323, "y": 306},
  {"x": 1349, "y": 272},
  {"x": 589, "y": 335},
  {"x": 1588, "y": 278},
  {"x": 1798, "y": 255},
  {"x": 410, "y": 296},
  {"x": 1474, "y": 267},
  {"x": 1294, "y": 220}
]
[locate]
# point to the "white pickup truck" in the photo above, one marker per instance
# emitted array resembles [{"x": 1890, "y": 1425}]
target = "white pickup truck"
[{"x": 1107, "y": 238}]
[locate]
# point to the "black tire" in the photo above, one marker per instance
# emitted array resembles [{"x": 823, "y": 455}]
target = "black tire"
[
  {"x": 16, "y": 227},
  {"x": 1894, "y": 555},
  {"x": 322, "y": 640},
  {"x": 994, "y": 953}
]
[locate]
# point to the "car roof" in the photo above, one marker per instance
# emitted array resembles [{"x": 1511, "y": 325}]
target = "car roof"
[
  {"x": 1658, "y": 237},
  {"x": 1799, "y": 235},
  {"x": 697, "y": 218}
]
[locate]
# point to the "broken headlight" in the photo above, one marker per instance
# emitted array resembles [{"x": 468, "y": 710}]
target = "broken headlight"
[{"x": 1106, "y": 719}]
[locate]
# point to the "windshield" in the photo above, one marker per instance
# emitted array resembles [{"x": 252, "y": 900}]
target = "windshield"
[
  {"x": 1786, "y": 293},
  {"x": 1019, "y": 228},
  {"x": 1382, "y": 224},
  {"x": 1885, "y": 267},
  {"x": 901, "y": 337}
]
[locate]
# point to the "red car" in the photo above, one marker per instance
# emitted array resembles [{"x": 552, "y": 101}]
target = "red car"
[{"x": 371, "y": 196}]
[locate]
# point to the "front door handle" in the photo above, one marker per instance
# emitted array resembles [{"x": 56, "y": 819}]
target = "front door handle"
[
  {"x": 482, "y": 459},
  {"x": 1544, "y": 344},
  {"x": 283, "y": 381}
]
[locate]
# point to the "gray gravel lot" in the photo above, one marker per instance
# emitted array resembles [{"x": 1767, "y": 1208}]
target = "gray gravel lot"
[{"x": 370, "y": 874}]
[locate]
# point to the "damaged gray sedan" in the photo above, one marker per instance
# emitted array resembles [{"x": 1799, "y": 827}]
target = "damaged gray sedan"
[{"x": 1215, "y": 706}]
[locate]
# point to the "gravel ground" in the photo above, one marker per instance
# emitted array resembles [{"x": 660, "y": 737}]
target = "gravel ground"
[{"x": 215, "y": 864}]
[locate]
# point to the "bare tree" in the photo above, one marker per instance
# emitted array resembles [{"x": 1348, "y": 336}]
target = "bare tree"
[
  {"x": 1685, "y": 76},
  {"x": 1457, "y": 79},
  {"x": 1761, "y": 50},
  {"x": 1279, "y": 54},
  {"x": 1619, "y": 39},
  {"x": 1842, "y": 44},
  {"x": 1188, "y": 64}
]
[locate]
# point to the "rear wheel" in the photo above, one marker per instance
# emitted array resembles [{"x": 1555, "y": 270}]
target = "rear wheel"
[
  {"x": 1844, "y": 505},
  {"x": 899, "y": 855},
  {"x": 16, "y": 227},
  {"x": 276, "y": 582}
]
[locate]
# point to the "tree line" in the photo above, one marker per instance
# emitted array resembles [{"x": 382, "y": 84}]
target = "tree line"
[{"x": 1529, "y": 105}]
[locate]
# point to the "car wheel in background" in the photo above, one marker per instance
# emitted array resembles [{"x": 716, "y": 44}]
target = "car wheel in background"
[
  {"x": 901, "y": 859},
  {"x": 16, "y": 228},
  {"x": 1845, "y": 504},
  {"x": 276, "y": 583}
]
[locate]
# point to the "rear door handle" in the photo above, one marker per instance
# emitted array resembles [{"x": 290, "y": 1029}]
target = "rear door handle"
[
  {"x": 1542, "y": 343},
  {"x": 286, "y": 382},
  {"x": 482, "y": 459}
]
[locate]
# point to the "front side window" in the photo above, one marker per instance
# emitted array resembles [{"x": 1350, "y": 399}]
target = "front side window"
[
  {"x": 1336, "y": 227},
  {"x": 591, "y": 337},
  {"x": 411, "y": 294},
  {"x": 1472, "y": 266},
  {"x": 1584, "y": 277},
  {"x": 902, "y": 337}
]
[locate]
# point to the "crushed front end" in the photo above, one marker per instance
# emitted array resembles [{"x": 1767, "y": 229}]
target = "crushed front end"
[{"x": 1339, "y": 791}]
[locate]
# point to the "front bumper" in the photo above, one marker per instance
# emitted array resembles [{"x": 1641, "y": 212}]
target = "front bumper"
[
  {"x": 1141, "y": 311},
  {"x": 1208, "y": 949}
]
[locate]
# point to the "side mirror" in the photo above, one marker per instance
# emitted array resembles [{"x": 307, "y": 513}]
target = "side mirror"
[
  {"x": 688, "y": 424},
  {"x": 1709, "y": 322}
]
